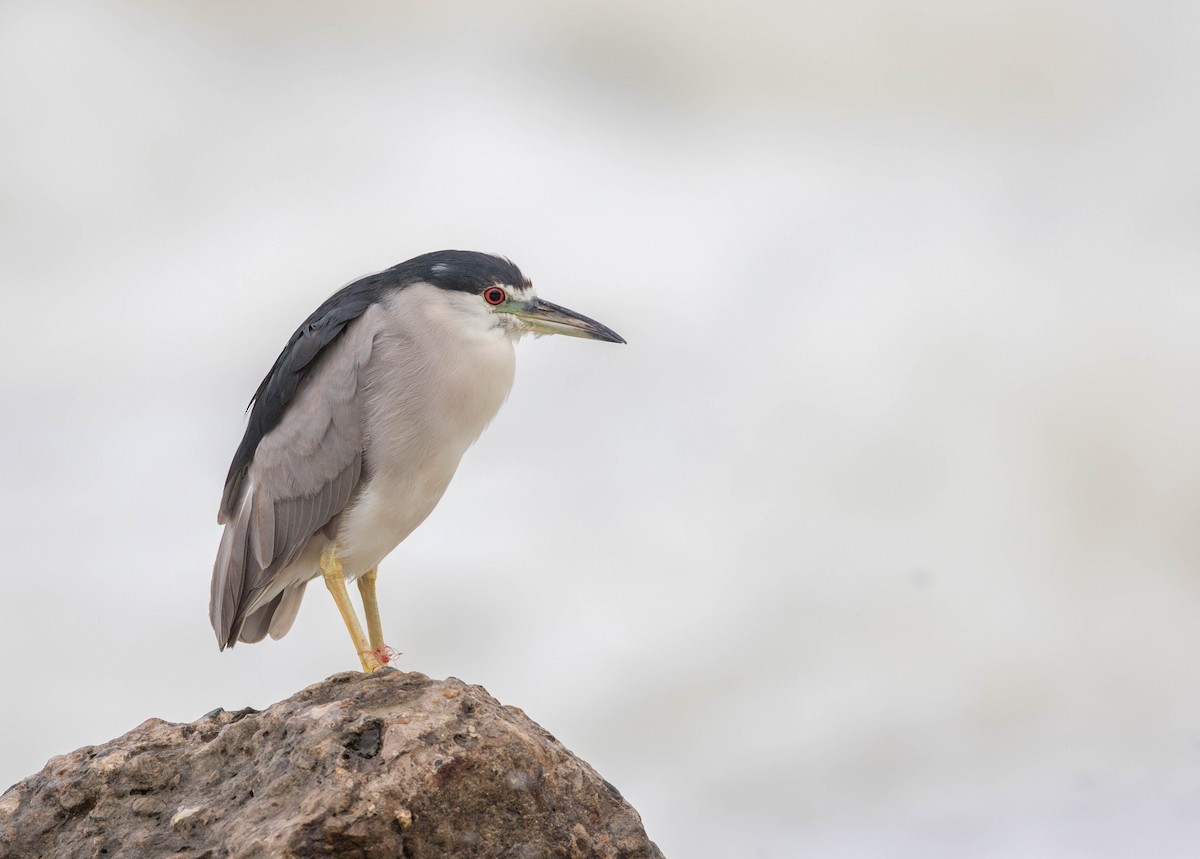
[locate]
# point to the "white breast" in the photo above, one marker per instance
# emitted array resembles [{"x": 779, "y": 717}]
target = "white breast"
[{"x": 439, "y": 371}]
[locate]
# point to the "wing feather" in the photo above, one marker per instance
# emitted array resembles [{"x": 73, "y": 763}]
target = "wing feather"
[
  {"x": 302, "y": 474},
  {"x": 262, "y": 534},
  {"x": 280, "y": 389},
  {"x": 229, "y": 574}
]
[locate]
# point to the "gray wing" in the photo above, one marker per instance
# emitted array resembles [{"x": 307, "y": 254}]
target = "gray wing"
[{"x": 300, "y": 476}]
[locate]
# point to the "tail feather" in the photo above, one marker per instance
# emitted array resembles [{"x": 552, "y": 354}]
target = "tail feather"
[
  {"x": 239, "y": 577},
  {"x": 254, "y": 627},
  {"x": 276, "y": 617},
  {"x": 235, "y": 574},
  {"x": 285, "y": 614}
]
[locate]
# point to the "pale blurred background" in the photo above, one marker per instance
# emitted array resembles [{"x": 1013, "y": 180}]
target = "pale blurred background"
[{"x": 881, "y": 538}]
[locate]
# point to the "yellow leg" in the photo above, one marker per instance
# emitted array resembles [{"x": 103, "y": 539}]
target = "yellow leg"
[
  {"x": 366, "y": 587},
  {"x": 331, "y": 569}
]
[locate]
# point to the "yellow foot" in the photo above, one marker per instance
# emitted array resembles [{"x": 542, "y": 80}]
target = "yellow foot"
[
  {"x": 370, "y": 662},
  {"x": 373, "y": 660}
]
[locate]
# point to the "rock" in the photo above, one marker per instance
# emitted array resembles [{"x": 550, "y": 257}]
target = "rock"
[{"x": 385, "y": 764}]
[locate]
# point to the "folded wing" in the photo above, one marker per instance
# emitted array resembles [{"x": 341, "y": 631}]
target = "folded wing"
[{"x": 295, "y": 471}]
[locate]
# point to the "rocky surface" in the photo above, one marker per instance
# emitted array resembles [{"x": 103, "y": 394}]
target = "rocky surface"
[{"x": 387, "y": 764}]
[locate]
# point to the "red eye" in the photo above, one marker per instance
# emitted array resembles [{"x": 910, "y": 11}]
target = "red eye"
[{"x": 494, "y": 295}]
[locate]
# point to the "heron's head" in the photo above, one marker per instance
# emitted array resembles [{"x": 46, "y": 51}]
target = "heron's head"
[{"x": 493, "y": 289}]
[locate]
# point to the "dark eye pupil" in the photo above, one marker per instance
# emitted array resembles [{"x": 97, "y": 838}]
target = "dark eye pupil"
[{"x": 493, "y": 295}]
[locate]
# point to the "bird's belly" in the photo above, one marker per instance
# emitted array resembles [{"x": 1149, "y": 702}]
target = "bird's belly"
[{"x": 389, "y": 508}]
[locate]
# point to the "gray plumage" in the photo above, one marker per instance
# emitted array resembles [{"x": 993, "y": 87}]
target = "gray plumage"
[
  {"x": 357, "y": 429},
  {"x": 301, "y": 475}
]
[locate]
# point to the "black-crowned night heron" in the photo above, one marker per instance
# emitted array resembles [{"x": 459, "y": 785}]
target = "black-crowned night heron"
[{"x": 357, "y": 429}]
